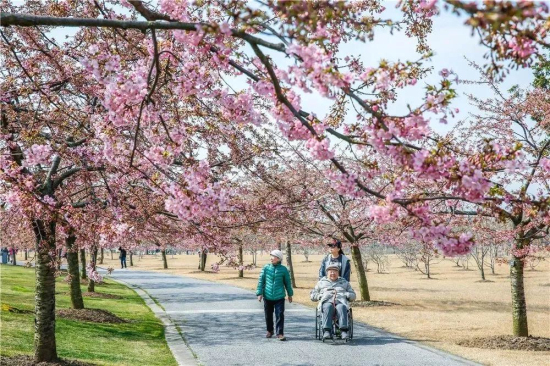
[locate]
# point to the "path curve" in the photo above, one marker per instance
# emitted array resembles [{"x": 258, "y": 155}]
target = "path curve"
[{"x": 224, "y": 325}]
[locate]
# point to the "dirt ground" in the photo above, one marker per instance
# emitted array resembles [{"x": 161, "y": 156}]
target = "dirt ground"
[
  {"x": 452, "y": 307},
  {"x": 90, "y": 315},
  {"x": 29, "y": 361}
]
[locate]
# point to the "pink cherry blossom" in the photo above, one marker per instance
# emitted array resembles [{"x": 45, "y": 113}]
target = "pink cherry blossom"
[
  {"x": 38, "y": 154},
  {"x": 319, "y": 149}
]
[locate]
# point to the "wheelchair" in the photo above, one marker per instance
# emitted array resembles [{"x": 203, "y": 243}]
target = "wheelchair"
[{"x": 336, "y": 333}]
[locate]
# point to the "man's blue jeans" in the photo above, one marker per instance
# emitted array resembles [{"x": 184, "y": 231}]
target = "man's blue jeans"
[
  {"x": 123, "y": 262},
  {"x": 279, "y": 307},
  {"x": 328, "y": 313}
]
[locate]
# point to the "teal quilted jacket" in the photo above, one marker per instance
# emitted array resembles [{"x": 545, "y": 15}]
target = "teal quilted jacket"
[{"x": 273, "y": 281}]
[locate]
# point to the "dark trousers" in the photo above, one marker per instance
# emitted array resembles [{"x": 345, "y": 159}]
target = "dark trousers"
[
  {"x": 123, "y": 262},
  {"x": 279, "y": 307}
]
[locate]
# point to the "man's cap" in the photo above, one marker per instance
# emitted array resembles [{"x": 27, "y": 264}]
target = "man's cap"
[
  {"x": 277, "y": 253},
  {"x": 332, "y": 266}
]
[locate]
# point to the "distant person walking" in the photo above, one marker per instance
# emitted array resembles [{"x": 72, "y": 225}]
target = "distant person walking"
[
  {"x": 274, "y": 280},
  {"x": 122, "y": 257},
  {"x": 5, "y": 255},
  {"x": 12, "y": 253}
]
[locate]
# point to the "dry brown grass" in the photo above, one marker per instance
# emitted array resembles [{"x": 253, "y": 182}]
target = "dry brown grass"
[{"x": 440, "y": 312}]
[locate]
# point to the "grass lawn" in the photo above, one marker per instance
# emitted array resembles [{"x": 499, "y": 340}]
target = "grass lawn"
[{"x": 139, "y": 341}]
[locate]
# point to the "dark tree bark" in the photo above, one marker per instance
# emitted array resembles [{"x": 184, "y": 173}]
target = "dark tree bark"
[
  {"x": 44, "y": 322},
  {"x": 482, "y": 270},
  {"x": 241, "y": 259},
  {"x": 77, "y": 301},
  {"x": 59, "y": 259},
  {"x": 101, "y": 256},
  {"x": 93, "y": 261},
  {"x": 164, "y": 260},
  {"x": 204, "y": 253},
  {"x": 361, "y": 277},
  {"x": 83, "y": 263},
  {"x": 519, "y": 307},
  {"x": 289, "y": 263}
]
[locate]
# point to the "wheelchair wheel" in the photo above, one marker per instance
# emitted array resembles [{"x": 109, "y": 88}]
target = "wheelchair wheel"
[
  {"x": 318, "y": 333},
  {"x": 316, "y": 325},
  {"x": 350, "y": 322}
]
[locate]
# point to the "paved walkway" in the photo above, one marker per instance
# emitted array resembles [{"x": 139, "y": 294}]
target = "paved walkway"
[{"x": 224, "y": 325}]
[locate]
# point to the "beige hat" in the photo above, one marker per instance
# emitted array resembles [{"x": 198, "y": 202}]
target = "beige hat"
[{"x": 277, "y": 253}]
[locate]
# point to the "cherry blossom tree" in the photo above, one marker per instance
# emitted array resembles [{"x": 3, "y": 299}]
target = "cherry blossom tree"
[{"x": 127, "y": 102}]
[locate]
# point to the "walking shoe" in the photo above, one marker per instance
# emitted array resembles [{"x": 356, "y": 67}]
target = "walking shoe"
[
  {"x": 344, "y": 334},
  {"x": 281, "y": 337},
  {"x": 326, "y": 335},
  {"x": 269, "y": 335}
]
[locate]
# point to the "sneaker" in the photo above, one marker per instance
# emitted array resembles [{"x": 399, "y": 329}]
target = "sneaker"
[
  {"x": 281, "y": 337},
  {"x": 269, "y": 335},
  {"x": 344, "y": 334},
  {"x": 326, "y": 335}
]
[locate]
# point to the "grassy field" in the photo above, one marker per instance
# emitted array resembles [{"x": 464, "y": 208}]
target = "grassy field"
[
  {"x": 140, "y": 341},
  {"x": 452, "y": 306}
]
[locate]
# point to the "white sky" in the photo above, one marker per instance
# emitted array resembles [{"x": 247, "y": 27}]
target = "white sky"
[{"x": 451, "y": 42}]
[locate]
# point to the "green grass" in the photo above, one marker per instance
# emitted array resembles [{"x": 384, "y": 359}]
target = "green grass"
[{"x": 139, "y": 342}]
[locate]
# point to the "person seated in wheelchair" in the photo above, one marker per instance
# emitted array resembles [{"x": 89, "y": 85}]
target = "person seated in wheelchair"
[{"x": 333, "y": 293}]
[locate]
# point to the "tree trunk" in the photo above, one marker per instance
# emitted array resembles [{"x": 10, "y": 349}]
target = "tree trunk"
[
  {"x": 427, "y": 267},
  {"x": 77, "y": 301},
  {"x": 164, "y": 261},
  {"x": 361, "y": 276},
  {"x": 83, "y": 263},
  {"x": 289, "y": 264},
  {"x": 14, "y": 257},
  {"x": 101, "y": 256},
  {"x": 131, "y": 259},
  {"x": 91, "y": 285},
  {"x": 44, "y": 322},
  {"x": 241, "y": 260},
  {"x": 111, "y": 253},
  {"x": 26, "y": 254},
  {"x": 59, "y": 259},
  {"x": 93, "y": 261},
  {"x": 203, "y": 259},
  {"x": 519, "y": 308}
]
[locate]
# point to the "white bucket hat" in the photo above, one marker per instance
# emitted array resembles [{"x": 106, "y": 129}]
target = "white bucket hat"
[{"x": 277, "y": 253}]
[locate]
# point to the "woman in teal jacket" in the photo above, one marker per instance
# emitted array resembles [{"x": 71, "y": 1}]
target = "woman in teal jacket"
[{"x": 273, "y": 281}]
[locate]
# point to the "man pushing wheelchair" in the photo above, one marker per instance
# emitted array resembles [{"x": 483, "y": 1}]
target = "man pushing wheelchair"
[{"x": 333, "y": 293}]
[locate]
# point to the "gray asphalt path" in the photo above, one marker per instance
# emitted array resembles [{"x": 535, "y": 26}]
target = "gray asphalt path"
[{"x": 224, "y": 325}]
